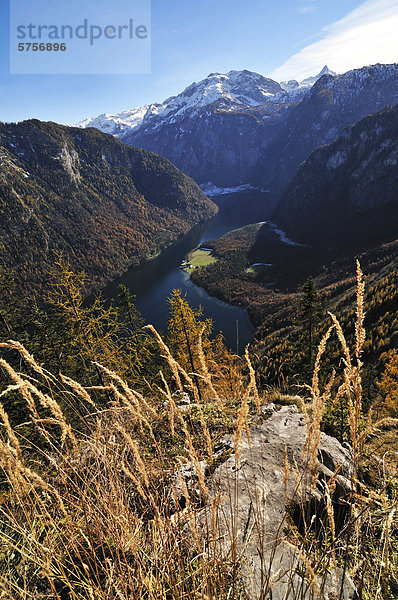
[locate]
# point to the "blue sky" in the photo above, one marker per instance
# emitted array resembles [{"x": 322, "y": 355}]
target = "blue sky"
[{"x": 191, "y": 38}]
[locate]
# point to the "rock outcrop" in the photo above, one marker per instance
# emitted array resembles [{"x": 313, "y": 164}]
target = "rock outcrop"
[{"x": 259, "y": 493}]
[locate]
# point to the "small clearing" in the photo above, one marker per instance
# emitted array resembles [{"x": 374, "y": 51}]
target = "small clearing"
[{"x": 198, "y": 258}]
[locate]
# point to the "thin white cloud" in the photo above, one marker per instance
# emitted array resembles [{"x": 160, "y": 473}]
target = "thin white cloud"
[
  {"x": 366, "y": 35},
  {"x": 310, "y": 8}
]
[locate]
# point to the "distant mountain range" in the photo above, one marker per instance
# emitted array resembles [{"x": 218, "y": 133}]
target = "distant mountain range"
[
  {"x": 215, "y": 130},
  {"x": 242, "y": 128},
  {"x": 100, "y": 203},
  {"x": 236, "y": 88}
]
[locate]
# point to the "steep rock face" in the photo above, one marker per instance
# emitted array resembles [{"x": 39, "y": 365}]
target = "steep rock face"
[
  {"x": 103, "y": 204},
  {"x": 333, "y": 103},
  {"x": 348, "y": 188},
  {"x": 217, "y": 144}
]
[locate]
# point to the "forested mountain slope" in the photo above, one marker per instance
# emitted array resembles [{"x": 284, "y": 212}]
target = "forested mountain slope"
[
  {"x": 103, "y": 204},
  {"x": 347, "y": 192}
]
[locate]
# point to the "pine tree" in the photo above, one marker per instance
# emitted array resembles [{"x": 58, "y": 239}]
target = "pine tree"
[
  {"x": 309, "y": 315},
  {"x": 13, "y": 317},
  {"x": 127, "y": 309}
]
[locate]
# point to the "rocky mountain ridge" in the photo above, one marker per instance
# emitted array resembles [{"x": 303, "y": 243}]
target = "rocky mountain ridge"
[
  {"x": 242, "y": 128},
  {"x": 333, "y": 103},
  {"x": 236, "y": 88}
]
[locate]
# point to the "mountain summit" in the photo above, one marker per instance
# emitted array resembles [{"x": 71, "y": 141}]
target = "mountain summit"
[
  {"x": 240, "y": 127},
  {"x": 292, "y": 85},
  {"x": 239, "y": 87},
  {"x": 236, "y": 88},
  {"x": 312, "y": 80}
]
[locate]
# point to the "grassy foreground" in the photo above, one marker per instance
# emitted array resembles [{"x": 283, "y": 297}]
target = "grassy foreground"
[{"x": 88, "y": 510}]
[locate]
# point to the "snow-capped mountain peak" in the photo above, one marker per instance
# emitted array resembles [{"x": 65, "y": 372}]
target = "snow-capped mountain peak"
[
  {"x": 312, "y": 80},
  {"x": 235, "y": 88},
  {"x": 293, "y": 85},
  {"x": 117, "y": 124},
  {"x": 239, "y": 87},
  {"x": 229, "y": 91}
]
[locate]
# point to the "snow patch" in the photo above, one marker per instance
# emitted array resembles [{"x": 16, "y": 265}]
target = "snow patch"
[
  {"x": 282, "y": 235},
  {"x": 213, "y": 190},
  {"x": 336, "y": 160}
]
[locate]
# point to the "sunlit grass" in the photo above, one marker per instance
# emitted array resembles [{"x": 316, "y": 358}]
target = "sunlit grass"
[
  {"x": 92, "y": 512},
  {"x": 199, "y": 258}
]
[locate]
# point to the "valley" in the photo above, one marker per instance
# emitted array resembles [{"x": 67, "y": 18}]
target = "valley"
[
  {"x": 199, "y": 366},
  {"x": 153, "y": 283},
  {"x": 249, "y": 124},
  {"x": 328, "y": 168}
]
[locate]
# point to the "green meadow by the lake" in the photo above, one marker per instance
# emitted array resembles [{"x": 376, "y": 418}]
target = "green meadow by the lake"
[{"x": 199, "y": 258}]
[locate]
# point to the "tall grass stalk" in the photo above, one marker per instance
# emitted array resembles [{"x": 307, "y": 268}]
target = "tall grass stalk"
[{"x": 89, "y": 510}]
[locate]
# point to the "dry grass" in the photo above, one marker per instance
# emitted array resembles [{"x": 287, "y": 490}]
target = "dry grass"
[{"x": 91, "y": 514}]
